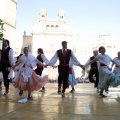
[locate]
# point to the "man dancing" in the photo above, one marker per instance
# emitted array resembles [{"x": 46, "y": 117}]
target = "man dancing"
[
  {"x": 7, "y": 61},
  {"x": 94, "y": 70},
  {"x": 65, "y": 56}
]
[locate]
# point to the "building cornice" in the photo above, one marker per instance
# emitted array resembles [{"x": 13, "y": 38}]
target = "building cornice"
[
  {"x": 15, "y": 1},
  {"x": 10, "y": 25}
]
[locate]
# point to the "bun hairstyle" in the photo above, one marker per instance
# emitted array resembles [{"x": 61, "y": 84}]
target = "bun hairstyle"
[
  {"x": 100, "y": 48},
  {"x": 41, "y": 50}
]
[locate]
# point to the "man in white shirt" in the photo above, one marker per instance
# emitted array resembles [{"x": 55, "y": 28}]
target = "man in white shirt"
[
  {"x": 7, "y": 61},
  {"x": 65, "y": 56},
  {"x": 93, "y": 70}
]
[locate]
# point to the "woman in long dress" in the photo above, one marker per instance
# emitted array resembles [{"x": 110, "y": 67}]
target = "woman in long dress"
[
  {"x": 116, "y": 70},
  {"x": 26, "y": 79},
  {"x": 42, "y": 58},
  {"x": 106, "y": 77}
]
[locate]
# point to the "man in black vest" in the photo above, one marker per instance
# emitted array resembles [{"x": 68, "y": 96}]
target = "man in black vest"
[
  {"x": 94, "y": 70},
  {"x": 64, "y": 55},
  {"x": 7, "y": 61}
]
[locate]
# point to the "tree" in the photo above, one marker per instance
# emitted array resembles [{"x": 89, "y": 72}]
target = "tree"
[{"x": 1, "y": 29}]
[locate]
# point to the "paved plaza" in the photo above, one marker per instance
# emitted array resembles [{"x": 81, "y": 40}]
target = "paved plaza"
[{"x": 84, "y": 104}]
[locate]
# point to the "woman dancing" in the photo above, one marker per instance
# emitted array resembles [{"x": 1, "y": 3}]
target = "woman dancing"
[
  {"x": 106, "y": 77},
  {"x": 26, "y": 79},
  {"x": 116, "y": 70}
]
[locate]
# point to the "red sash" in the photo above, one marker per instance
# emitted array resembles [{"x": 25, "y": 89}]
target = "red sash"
[{"x": 102, "y": 64}]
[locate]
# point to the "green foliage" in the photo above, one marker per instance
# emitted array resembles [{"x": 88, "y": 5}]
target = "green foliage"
[
  {"x": 87, "y": 70},
  {"x": 1, "y": 29}
]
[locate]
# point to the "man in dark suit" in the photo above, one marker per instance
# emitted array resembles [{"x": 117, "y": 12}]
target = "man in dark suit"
[
  {"x": 64, "y": 56},
  {"x": 7, "y": 61}
]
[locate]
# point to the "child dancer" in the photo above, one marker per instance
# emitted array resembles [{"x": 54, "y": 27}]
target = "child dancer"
[
  {"x": 26, "y": 79},
  {"x": 106, "y": 77}
]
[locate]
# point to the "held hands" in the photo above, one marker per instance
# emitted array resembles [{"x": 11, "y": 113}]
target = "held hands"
[
  {"x": 82, "y": 66},
  {"x": 13, "y": 67},
  {"x": 54, "y": 66},
  {"x": 45, "y": 66}
]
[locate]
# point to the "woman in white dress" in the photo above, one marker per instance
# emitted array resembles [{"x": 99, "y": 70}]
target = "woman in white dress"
[
  {"x": 106, "y": 77},
  {"x": 26, "y": 79},
  {"x": 116, "y": 70}
]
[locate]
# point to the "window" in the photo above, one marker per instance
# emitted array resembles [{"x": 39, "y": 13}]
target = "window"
[
  {"x": 56, "y": 27},
  {"x": 52, "y": 27},
  {"x": 47, "y": 27}
]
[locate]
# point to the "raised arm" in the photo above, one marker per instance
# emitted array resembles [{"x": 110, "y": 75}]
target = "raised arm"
[
  {"x": 87, "y": 63},
  {"x": 74, "y": 59},
  {"x": 114, "y": 63},
  {"x": 19, "y": 61},
  {"x": 11, "y": 57},
  {"x": 39, "y": 62},
  {"x": 92, "y": 61},
  {"x": 44, "y": 58},
  {"x": 53, "y": 60}
]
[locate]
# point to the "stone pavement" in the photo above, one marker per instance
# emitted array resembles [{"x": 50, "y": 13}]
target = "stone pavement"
[{"x": 84, "y": 104}]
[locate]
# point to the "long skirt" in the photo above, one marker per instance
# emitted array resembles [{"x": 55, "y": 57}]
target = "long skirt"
[
  {"x": 35, "y": 82},
  {"x": 107, "y": 78}
]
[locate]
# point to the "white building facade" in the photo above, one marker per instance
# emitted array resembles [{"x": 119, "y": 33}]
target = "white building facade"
[{"x": 8, "y": 15}]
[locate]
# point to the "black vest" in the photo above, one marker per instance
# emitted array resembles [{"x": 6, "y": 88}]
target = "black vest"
[
  {"x": 93, "y": 64},
  {"x": 62, "y": 59},
  {"x": 5, "y": 58},
  {"x": 39, "y": 58}
]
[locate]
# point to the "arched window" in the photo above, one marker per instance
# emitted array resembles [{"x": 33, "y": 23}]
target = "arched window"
[
  {"x": 47, "y": 27},
  {"x": 52, "y": 27},
  {"x": 56, "y": 27}
]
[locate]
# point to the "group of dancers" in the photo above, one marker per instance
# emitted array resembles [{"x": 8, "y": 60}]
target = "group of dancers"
[{"x": 29, "y": 79}]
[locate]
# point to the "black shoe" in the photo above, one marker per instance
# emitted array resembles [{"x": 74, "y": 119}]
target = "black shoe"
[
  {"x": 59, "y": 91},
  {"x": 102, "y": 95},
  {"x": 63, "y": 95},
  {"x": 21, "y": 92},
  {"x": 6, "y": 93},
  {"x": 72, "y": 91},
  {"x": 30, "y": 97},
  {"x": 107, "y": 90},
  {"x": 97, "y": 90}
]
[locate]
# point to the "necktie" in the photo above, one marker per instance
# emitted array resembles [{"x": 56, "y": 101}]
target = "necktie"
[{"x": 64, "y": 52}]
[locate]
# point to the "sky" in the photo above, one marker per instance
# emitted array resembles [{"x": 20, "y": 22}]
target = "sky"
[{"x": 89, "y": 18}]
